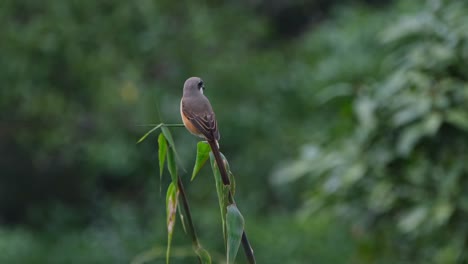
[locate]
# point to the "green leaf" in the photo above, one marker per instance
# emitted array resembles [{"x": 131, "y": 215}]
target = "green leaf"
[
  {"x": 221, "y": 191},
  {"x": 203, "y": 153},
  {"x": 235, "y": 228},
  {"x": 171, "y": 165},
  {"x": 168, "y": 135},
  {"x": 170, "y": 140},
  {"x": 162, "y": 150},
  {"x": 171, "y": 209},
  {"x": 203, "y": 255},
  {"x": 149, "y": 132}
]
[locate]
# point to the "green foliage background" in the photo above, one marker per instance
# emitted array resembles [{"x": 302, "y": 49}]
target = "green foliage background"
[{"x": 345, "y": 123}]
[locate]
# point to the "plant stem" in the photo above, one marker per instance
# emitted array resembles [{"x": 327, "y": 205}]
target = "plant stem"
[
  {"x": 162, "y": 124},
  {"x": 191, "y": 227},
  {"x": 173, "y": 125},
  {"x": 247, "y": 249}
]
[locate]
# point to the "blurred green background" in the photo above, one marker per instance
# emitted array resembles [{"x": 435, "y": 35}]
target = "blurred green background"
[{"x": 345, "y": 123}]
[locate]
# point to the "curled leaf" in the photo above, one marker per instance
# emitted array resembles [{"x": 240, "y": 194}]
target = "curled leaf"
[{"x": 171, "y": 210}]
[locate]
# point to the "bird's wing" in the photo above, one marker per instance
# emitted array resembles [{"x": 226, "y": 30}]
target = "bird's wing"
[{"x": 205, "y": 123}]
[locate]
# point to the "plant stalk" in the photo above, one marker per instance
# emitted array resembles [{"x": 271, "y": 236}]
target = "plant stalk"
[{"x": 190, "y": 226}]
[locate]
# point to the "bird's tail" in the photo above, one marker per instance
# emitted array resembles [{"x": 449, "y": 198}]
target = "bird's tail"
[{"x": 219, "y": 161}]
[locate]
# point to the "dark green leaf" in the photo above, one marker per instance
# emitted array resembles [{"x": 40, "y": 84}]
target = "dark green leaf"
[
  {"x": 170, "y": 140},
  {"x": 171, "y": 165},
  {"x": 168, "y": 135},
  {"x": 162, "y": 150},
  {"x": 203, "y": 153},
  {"x": 220, "y": 190}
]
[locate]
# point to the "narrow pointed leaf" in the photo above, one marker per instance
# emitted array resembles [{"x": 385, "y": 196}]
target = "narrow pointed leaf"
[
  {"x": 235, "y": 228},
  {"x": 162, "y": 150},
  {"x": 168, "y": 135},
  {"x": 171, "y": 210},
  {"x": 170, "y": 140},
  {"x": 203, "y": 153},
  {"x": 220, "y": 191},
  {"x": 171, "y": 165},
  {"x": 203, "y": 255},
  {"x": 149, "y": 132}
]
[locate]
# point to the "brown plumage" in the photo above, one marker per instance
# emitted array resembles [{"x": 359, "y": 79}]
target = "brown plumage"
[
  {"x": 196, "y": 111},
  {"x": 199, "y": 118}
]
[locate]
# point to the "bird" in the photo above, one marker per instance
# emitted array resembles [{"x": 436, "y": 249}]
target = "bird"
[{"x": 200, "y": 120}]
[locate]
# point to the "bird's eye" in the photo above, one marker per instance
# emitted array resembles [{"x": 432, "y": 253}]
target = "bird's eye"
[{"x": 200, "y": 85}]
